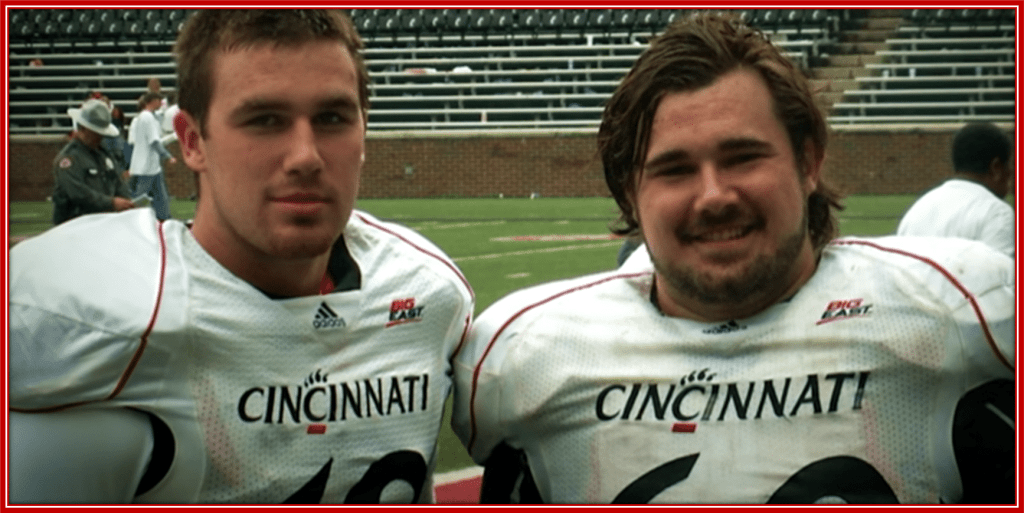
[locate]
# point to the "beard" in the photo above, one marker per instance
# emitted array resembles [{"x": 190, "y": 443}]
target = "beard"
[{"x": 766, "y": 277}]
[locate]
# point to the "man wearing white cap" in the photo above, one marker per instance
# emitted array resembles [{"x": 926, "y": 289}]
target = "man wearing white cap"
[{"x": 87, "y": 180}]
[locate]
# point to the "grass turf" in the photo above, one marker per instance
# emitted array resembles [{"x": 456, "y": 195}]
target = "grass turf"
[{"x": 476, "y": 234}]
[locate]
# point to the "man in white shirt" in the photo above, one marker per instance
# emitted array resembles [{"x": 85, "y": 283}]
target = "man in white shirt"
[
  {"x": 283, "y": 348},
  {"x": 148, "y": 154},
  {"x": 743, "y": 354},
  {"x": 971, "y": 204}
]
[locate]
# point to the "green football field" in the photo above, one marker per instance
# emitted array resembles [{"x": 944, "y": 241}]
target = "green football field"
[{"x": 505, "y": 244}]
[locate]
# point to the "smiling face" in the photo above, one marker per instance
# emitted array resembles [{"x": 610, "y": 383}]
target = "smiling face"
[
  {"x": 721, "y": 202},
  {"x": 280, "y": 155}
]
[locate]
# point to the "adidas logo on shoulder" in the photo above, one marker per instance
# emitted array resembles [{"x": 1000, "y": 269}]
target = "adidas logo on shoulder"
[
  {"x": 728, "y": 327},
  {"x": 326, "y": 318}
]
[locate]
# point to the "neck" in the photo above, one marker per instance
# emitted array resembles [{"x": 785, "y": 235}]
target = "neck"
[
  {"x": 987, "y": 181},
  {"x": 275, "y": 275},
  {"x": 88, "y": 140}
]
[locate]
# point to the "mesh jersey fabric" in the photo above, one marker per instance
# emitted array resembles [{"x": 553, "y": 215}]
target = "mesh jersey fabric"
[
  {"x": 852, "y": 382},
  {"x": 315, "y": 399}
]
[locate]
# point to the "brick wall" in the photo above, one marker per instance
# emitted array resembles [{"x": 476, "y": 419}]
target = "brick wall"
[{"x": 551, "y": 165}]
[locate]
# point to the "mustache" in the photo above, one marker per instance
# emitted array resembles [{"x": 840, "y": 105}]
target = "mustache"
[{"x": 729, "y": 217}]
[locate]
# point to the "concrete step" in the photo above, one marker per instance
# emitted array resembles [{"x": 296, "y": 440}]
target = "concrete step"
[
  {"x": 851, "y": 61},
  {"x": 865, "y": 36},
  {"x": 833, "y": 85},
  {"x": 882, "y": 23},
  {"x": 847, "y": 48},
  {"x": 831, "y": 98}
]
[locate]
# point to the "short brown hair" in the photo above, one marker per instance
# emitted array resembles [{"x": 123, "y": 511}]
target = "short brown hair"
[
  {"x": 147, "y": 97},
  {"x": 691, "y": 54},
  {"x": 209, "y": 31}
]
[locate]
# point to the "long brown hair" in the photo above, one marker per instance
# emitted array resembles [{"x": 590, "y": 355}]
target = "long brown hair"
[{"x": 691, "y": 54}]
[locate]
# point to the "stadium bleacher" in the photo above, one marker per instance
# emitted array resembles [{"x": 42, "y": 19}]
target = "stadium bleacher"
[
  {"x": 941, "y": 65},
  {"x": 440, "y": 69}
]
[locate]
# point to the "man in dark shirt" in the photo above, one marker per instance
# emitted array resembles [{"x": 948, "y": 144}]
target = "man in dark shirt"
[{"x": 87, "y": 179}]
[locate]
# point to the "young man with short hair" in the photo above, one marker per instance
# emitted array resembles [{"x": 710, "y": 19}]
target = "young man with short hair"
[
  {"x": 284, "y": 349},
  {"x": 148, "y": 155},
  {"x": 971, "y": 204}
]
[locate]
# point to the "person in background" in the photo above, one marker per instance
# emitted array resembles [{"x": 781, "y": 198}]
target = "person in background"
[
  {"x": 86, "y": 178},
  {"x": 117, "y": 145},
  {"x": 972, "y": 203},
  {"x": 148, "y": 155},
  {"x": 743, "y": 354},
  {"x": 283, "y": 348}
]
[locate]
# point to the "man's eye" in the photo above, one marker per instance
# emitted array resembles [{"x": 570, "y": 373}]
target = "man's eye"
[
  {"x": 742, "y": 158},
  {"x": 332, "y": 118},
  {"x": 678, "y": 170},
  {"x": 264, "y": 121}
]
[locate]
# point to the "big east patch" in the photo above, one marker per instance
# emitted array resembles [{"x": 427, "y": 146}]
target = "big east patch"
[{"x": 403, "y": 311}]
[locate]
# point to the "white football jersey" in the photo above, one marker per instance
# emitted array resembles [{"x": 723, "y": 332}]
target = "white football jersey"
[
  {"x": 333, "y": 398},
  {"x": 846, "y": 392}
]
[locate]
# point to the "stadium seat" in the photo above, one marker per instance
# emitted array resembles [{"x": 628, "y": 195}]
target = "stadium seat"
[
  {"x": 135, "y": 28},
  {"x": 40, "y": 16},
  {"x": 83, "y": 16},
  {"x": 668, "y": 16},
  {"x": 457, "y": 20},
  {"x": 127, "y": 15},
  {"x": 748, "y": 16},
  {"x": 624, "y": 19},
  {"x": 411, "y": 21},
  {"x": 113, "y": 29},
  {"x": 649, "y": 19},
  {"x": 365, "y": 21},
  {"x": 434, "y": 21},
  {"x": 61, "y": 15},
  {"x": 502, "y": 20},
  {"x": 529, "y": 19},
  {"x": 158, "y": 27},
  {"x": 791, "y": 18},
  {"x": 51, "y": 29},
  {"x": 389, "y": 22},
  {"x": 70, "y": 30},
  {"x": 599, "y": 20},
  {"x": 553, "y": 19},
  {"x": 576, "y": 19},
  {"x": 479, "y": 20},
  {"x": 21, "y": 25}
]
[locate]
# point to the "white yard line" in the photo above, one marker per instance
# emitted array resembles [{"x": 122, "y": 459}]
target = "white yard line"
[
  {"x": 458, "y": 225},
  {"x": 536, "y": 251}
]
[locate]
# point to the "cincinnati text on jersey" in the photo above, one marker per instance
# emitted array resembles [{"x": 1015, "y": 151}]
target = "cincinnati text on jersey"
[
  {"x": 319, "y": 400},
  {"x": 690, "y": 401}
]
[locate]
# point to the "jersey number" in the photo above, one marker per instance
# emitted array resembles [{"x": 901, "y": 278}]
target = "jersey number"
[
  {"x": 408, "y": 466},
  {"x": 840, "y": 479}
]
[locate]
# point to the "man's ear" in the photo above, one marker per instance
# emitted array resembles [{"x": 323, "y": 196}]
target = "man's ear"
[
  {"x": 190, "y": 139},
  {"x": 814, "y": 160}
]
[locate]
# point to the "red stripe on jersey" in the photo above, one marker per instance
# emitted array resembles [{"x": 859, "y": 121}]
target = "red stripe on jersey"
[
  {"x": 144, "y": 340},
  {"x": 952, "y": 279},
  {"x": 421, "y": 250},
  {"x": 684, "y": 427},
  {"x": 479, "y": 365},
  {"x": 464, "y": 337}
]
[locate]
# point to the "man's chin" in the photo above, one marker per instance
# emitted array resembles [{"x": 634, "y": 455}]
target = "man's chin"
[{"x": 303, "y": 243}]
